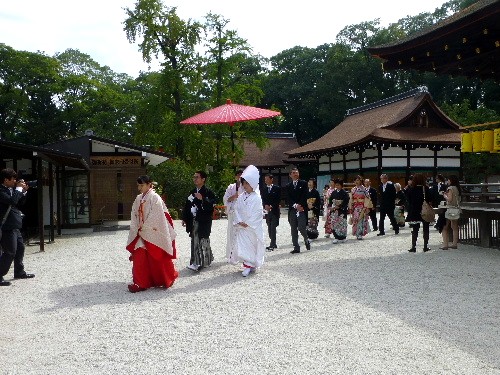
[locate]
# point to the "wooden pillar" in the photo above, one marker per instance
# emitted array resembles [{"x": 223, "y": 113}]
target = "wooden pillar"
[
  {"x": 344, "y": 166},
  {"x": 360, "y": 159},
  {"x": 379, "y": 162},
  {"x": 51, "y": 203},
  {"x": 435, "y": 171},
  {"x": 408, "y": 162},
  {"x": 58, "y": 200},
  {"x": 41, "y": 231}
]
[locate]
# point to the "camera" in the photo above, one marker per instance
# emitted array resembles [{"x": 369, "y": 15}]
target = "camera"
[{"x": 30, "y": 184}]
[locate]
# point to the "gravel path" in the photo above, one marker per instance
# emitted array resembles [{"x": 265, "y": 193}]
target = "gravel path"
[{"x": 363, "y": 307}]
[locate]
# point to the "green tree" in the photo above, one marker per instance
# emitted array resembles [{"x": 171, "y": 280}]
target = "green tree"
[
  {"x": 162, "y": 31},
  {"x": 28, "y": 84},
  {"x": 94, "y": 97}
]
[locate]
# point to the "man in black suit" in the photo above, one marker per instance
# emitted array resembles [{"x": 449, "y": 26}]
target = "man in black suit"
[
  {"x": 12, "y": 195},
  {"x": 297, "y": 210},
  {"x": 197, "y": 218},
  {"x": 387, "y": 204},
  {"x": 271, "y": 196},
  {"x": 373, "y": 197}
]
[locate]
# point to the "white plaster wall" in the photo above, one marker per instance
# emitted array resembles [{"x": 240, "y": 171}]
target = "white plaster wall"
[
  {"x": 423, "y": 162},
  {"x": 394, "y": 151},
  {"x": 370, "y": 163},
  {"x": 422, "y": 152},
  {"x": 448, "y": 162},
  {"x": 393, "y": 162}
]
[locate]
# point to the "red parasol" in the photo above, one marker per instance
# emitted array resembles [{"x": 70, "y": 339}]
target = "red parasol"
[{"x": 230, "y": 113}]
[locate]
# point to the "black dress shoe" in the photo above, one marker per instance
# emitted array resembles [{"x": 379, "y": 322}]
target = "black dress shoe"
[
  {"x": 3, "y": 282},
  {"x": 412, "y": 251},
  {"x": 25, "y": 276},
  {"x": 295, "y": 251},
  {"x": 380, "y": 234},
  {"x": 308, "y": 245},
  {"x": 396, "y": 231},
  {"x": 426, "y": 249}
]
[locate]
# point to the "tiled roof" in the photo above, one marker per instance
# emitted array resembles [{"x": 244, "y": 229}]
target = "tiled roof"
[
  {"x": 437, "y": 28},
  {"x": 381, "y": 123},
  {"x": 271, "y": 156}
]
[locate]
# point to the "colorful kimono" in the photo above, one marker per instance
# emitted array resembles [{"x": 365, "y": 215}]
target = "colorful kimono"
[
  {"x": 327, "y": 213},
  {"x": 339, "y": 202},
  {"x": 359, "y": 196},
  {"x": 151, "y": 242}
]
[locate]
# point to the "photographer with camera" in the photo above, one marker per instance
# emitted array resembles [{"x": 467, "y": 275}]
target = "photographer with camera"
[{"x": 12, "y": 195}]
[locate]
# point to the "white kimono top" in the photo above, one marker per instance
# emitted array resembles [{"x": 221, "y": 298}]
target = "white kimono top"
[
  {"x": 250, "y": 240},
  {"x": 148, "y": 221}
]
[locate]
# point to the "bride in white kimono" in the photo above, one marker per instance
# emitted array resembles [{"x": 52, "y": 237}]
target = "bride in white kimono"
[
  {"x": 233, "y": 191},
  {"x": 247, "y": 220}
]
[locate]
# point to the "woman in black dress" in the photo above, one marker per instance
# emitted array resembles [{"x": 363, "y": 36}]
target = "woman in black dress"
[{"x": 415, "y": 197}]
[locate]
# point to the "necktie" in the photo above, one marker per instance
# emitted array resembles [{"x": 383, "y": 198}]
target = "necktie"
[
  {"x": 295, "y": 184},
  {"x": 269, "y": 189}
]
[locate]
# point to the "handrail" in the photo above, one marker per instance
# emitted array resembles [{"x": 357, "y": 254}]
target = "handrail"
[{"x": 487, "y": 192}]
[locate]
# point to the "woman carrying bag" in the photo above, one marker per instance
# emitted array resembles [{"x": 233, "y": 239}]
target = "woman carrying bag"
[
  {"x": 452, "y": 214},
  {"x": 417, "y": 194}
]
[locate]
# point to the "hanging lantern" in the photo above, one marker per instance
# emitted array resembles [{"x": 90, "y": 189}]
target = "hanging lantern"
[
  {"x": 487, "y": 140},
  {"x": 496, "y": 139},
  {"x": 477, "y": 139},
  {"x": 466, "y": 142}
]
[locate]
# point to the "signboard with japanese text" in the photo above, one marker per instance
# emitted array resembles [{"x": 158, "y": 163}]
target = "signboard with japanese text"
[{"x": 115, "y": 161}]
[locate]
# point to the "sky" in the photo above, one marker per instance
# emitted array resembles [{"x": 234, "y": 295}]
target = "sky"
[{"x": 95, "y": 27}]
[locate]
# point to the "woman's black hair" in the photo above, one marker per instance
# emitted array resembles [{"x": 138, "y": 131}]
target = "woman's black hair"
[
  {"x": 144, "y": 180},
  {"x": 454, "y": 181}
]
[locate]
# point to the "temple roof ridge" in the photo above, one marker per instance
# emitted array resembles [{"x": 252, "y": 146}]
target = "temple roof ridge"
[{"x": 396, "y": 98}]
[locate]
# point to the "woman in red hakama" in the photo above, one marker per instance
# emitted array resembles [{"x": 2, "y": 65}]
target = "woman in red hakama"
[{"x": 151, "y": 240}]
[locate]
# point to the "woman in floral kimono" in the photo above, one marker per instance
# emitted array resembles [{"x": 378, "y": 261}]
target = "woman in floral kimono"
[
  {"x": 339, "y": 201},
  {"x": 327, "y": 214},
  {"x": 151, "y": 240},
  {"x": 360, "y": 204}
]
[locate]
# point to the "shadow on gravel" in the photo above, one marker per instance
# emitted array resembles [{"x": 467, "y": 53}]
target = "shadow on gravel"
[
  {"x": 452, "y": 295},
  {"x": 113, "y": 293}
]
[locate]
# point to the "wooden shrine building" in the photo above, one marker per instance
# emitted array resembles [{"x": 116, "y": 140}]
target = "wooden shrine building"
[
  {"x": 43, "y": 200},
  {"x": 107, "y": 190},
  {"x": 466, "y": 44},
  {"x": 400, "y": 135}
]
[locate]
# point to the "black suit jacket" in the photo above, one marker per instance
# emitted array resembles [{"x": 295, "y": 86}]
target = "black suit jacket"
[
  {"x": 272, "y": 199},
  {"x": 205, "y": 209},
  {"x": 15, "y": 217},
  {"x": 436, "y": 197},
  {"x": 297, "y": 195},
  {"x": 388, "y": 197}
]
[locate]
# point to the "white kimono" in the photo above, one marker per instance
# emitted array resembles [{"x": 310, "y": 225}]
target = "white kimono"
[
  {"x": 250, "y": 240},
  {"x": 153, "y": 225},
  {"x": 231, "y": 253}
]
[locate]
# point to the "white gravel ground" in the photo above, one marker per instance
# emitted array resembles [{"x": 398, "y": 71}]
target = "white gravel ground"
[{"x": 363, "y": 307}]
